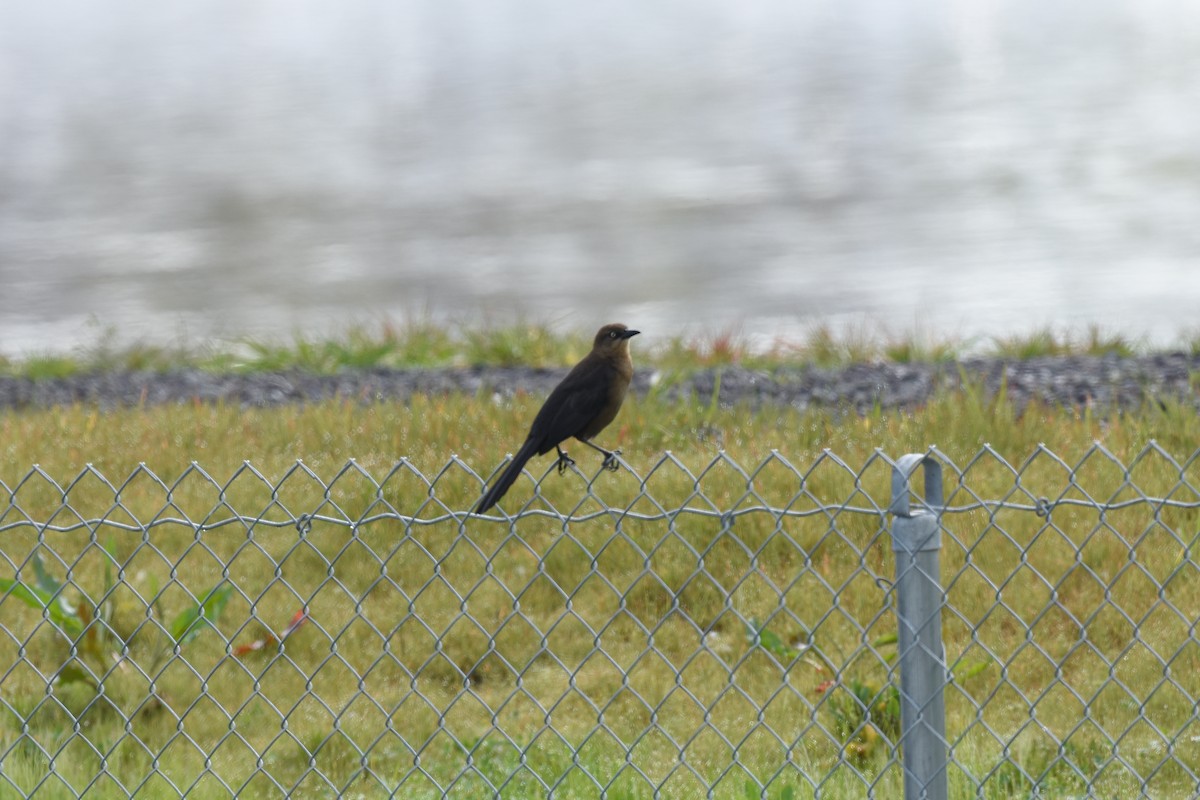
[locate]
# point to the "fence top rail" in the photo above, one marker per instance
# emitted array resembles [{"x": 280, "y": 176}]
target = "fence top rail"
[
  {"x": 1041, "y": 508},
  {"x": 947, "y": 491}
]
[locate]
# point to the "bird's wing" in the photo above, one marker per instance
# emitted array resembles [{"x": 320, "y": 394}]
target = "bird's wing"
[{"x": 572, "y": 405}]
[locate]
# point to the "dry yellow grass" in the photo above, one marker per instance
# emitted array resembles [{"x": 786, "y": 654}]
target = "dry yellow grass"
[{"x": 452, "y": 652}]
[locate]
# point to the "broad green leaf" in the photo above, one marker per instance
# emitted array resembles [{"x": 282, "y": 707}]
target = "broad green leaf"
[
  {"x": 75, "y": 673},
  {"x": 35, "y": 598},
  {"x": 152, "y": 593},
  {"x": 886, "y": 639},
  {"x": 111, "y": 549},
  {"x": 65, "y": 618},
  {"x": 188, "y": 625},
  {"x": 759, "y": 636},
  {"x": 44, "y": 581},
  {"x": 971, "y": 669}
]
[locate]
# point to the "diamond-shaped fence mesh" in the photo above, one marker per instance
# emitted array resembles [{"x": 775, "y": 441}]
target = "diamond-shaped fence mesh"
[{"x": 721, "y": 629}]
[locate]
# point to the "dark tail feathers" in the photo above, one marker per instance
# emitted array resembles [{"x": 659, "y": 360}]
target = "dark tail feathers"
[{"x": 502, "y": 484}]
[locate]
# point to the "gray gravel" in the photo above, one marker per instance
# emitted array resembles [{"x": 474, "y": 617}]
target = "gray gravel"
[{"x": 1104, "y": 383}]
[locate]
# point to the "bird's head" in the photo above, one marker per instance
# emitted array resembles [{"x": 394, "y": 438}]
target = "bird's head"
[{"x": 613, "y": 338}]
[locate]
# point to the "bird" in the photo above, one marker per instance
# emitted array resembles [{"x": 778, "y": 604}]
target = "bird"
[{"x": 582, "y": 405}]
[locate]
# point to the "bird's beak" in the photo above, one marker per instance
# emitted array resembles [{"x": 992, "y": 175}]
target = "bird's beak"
[{"x": 629, "y": 334}]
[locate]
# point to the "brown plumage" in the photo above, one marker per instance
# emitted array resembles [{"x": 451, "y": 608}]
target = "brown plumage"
[{"x": 581, "y": 406}]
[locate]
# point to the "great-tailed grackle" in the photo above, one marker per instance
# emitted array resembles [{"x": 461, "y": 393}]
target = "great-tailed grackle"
[{"x": 581, "y": 406}]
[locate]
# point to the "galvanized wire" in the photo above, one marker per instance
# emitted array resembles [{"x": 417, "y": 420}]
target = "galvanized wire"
[{"x": 671, "y": 630}]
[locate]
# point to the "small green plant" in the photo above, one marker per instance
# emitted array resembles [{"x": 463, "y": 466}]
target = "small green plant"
[
  {"x": 863, "y": 716},
  {"x": 48, "y": 367},
  {"x": 85, "y": 626},
  {"x": 752, "y": 791},
  {"x": 1093, "y": 341},
  {"x": 825, "y": 347},
  {"x": 1048, "y": 770},
  {"x": 916, "y": 348},
  {"x": 864, "y": 713},
  {"x": 1190, "y": 342},
  {"x": 757, "y": 635}
]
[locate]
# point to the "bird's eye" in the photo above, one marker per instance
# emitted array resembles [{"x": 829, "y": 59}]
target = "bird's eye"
[{"x": 612, "y": 334}]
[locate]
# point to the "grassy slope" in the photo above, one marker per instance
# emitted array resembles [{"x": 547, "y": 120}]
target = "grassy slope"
[{"x": 667, "y": 602}]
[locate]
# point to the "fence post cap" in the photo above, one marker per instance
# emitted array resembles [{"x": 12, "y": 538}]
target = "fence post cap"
[{"x": 902, "y": 471}]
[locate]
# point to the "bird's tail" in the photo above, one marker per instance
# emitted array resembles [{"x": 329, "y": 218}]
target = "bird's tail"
[{"x": 502, "y": 484}]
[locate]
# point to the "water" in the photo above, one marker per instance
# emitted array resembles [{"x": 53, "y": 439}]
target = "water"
[{"x": 206, "y": 169}]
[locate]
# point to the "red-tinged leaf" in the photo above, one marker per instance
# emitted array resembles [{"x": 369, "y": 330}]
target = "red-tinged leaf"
[
  {"x": 298, "y": 619},
  {"x": 825, "y": 686},
  {"x": 255, "y": 646},
  {"x": 270, "y": 639}
]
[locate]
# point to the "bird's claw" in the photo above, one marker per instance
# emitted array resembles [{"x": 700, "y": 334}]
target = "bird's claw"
[
  {"x": 610, "y": 461},
  {"x": 564, "y": 463}
]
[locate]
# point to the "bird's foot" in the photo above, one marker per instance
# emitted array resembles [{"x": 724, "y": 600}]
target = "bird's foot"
[
  {"x": 565, "y": 462},
  {"x": 610, "y": 462}
]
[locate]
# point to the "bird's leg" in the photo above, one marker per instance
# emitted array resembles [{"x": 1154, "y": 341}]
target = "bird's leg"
[
  {"x": 610, "y": 456},
  {"x": 564, "y": 460}
]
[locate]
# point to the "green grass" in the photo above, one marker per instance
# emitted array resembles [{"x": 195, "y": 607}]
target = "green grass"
[
  {"x": 465, "y": 653},
  {"x": 1093, "y": 341},
  {"x": 423, "y": 343}
]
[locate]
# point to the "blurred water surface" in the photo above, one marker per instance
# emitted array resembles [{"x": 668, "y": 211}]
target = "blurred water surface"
[{"x": 211, "y": 168}]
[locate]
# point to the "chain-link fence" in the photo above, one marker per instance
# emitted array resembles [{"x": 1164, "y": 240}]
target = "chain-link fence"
[{"x": 726, "y": 629}]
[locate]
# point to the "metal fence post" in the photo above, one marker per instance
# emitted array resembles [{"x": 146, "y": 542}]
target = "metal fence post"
[{"x": 916, "y": 540}]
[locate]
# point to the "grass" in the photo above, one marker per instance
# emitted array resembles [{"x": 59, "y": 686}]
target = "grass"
[
  {"x": 701, "y": 627},
  {"x": 423, "y": 343},
  {"x": 1094, "y": 341}
]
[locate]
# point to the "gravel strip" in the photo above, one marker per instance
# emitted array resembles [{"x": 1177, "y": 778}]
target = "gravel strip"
[{"x": 1103, "y": 383}]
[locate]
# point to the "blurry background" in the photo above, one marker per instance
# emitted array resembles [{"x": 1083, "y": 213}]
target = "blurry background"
[{"x": 215, "y": 168}]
